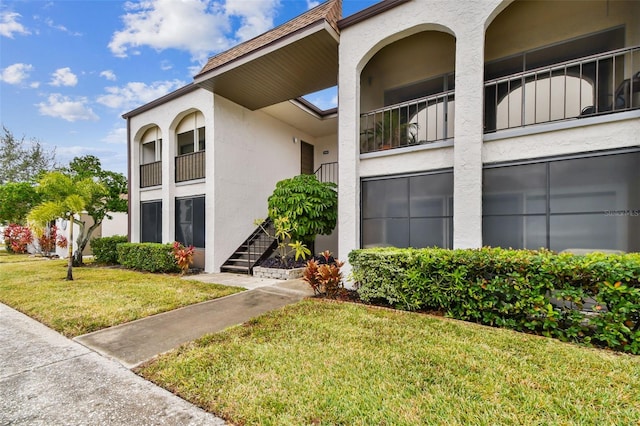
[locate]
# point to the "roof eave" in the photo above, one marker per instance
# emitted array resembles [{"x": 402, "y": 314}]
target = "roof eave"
[
  {"x": 266, "y": 49},
  {"x": 161, "y": 100},
  {"x": 308, "y": 51},
  {"x": 369, "y": 12}
]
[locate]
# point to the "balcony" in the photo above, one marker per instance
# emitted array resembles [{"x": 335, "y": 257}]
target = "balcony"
[
  {"x": 190, "y": 166},
  {"x": 151, "y": 174},
  {"x": 568, "y": 90},
  {"x": 416, "y": 122}
]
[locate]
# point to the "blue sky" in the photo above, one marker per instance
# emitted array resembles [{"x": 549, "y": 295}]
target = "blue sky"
[{"x": 70, "y": 69}]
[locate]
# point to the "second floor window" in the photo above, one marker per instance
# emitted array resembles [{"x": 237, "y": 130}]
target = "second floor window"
[
  {"x": 190, "y": 134},
  {"x": 191, "y": 141}
]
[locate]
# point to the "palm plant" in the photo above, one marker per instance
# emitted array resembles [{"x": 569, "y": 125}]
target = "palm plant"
[
  {"x": 389, "y": 130},
  {"x": 64, "y": 198}
]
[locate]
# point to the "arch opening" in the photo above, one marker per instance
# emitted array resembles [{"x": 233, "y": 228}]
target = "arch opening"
[
  {"x": 561, "y": 60},
  {"x": 407, "y": 91}
]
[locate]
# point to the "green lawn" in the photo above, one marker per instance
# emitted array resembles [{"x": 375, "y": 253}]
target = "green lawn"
[
  {"x": 321, "y": 362},
  {"x": 98, "y": 297}
]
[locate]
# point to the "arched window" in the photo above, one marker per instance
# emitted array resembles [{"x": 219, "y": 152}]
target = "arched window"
[
  {"x": 191, "y": 134},
  {"x": 190, "y": 148},
  {"x": 151, "y": 147},
  {"x": 151, "y": 158}
]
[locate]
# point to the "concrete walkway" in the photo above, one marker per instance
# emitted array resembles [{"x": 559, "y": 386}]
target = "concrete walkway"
[
  {"x": 47, "y": 379},
  {"x": 135, "y": 342}
]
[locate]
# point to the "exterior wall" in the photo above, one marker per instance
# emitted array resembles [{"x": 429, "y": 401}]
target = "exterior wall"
[
  {"x": 326, "y": 143},
  {"x": 247, "y": 153},
  {"x": 117, "y": 225},
  {"x": 108, "y": 228},
  {"x": 607, "y": 132},
  {"x": 525, "y": 25},
  {"x": 167, "y": 117},
  {"x": 253, "y": 151},
  {"x": 419, "y": 159},
  {"x": 330, "y": 144},
  {"x": 511, "y": 27},
  {"x": 412, "y": 59},
  {"x": 466, "y": 21},
  {"x": 64, "y": 229}
]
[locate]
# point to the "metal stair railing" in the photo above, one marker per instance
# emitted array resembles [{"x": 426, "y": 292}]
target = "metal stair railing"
[
  {"x": 257, "y": 247},
  {"x": 327, "y": 172}
]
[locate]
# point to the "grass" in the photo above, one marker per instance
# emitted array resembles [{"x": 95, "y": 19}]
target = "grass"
[
  {"x": 320, "y": 362},
  {"x": 97, "y": 298}
]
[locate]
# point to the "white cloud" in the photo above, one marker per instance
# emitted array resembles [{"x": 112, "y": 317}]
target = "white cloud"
[
  {"x": 166, "y": 65},
  {"x": 137, "y": 93},
  {"x": 63, "y": 77},
  {"x": 34, "y": 85},
  {"x": 312, "y": 3},
  {"x": 108, "y": 74},
  {"x": 59, "y": 27},
  {"x": 200, "y": 27},
  {"x": 192, "y": 25},
  {"x": 111, "y": 158},
  {"x": 74, "y": 151},
  {"x": 16, "y": 73},
  {"x": 9, "y": 24},
  {"x": 256, "y": 17},
  {"x": 69, "y": 109},
  {"x": 195, "y": 69},
  {"x": 116, "y": 136}
]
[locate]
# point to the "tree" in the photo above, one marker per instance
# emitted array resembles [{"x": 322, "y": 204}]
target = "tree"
[
  {"x": 311, "y": 206},
  {"x": 22, "y": 161},
  {"x": 16, "y": 200},
  {"x": 64, "y": 197},
  {"x": 101, "y": 204}
]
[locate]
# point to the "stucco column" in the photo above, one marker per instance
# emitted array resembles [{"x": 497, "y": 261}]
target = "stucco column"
[
  {"x": 467, "y": 156},
  {"x": 349, "y": 159},
  {"x": 212, "y": 264},
  {"x": 134, "y": 185},
  {"x": 168, "y": 184}
]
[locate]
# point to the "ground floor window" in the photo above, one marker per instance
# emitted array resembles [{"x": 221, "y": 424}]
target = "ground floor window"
[
  {"x": 190, "y": 221},
  {"x": 408, "y": 211},
  {"x": 591, "y": 202},
  {"x": 151, "y": 221}
]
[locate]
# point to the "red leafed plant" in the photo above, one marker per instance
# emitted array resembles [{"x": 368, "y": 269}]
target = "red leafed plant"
[
  {"x": 183, "y": 256},
  {"x": 324, "y": 278},
  {"x": 17, "y": 237},
  {"x": 50, "y": 239},
  {"x": 310, "y": 275},
  {"x": 62, "y": 241}
]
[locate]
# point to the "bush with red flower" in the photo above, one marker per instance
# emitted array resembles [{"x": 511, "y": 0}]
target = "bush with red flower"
[{"x": 17, "y": 238}]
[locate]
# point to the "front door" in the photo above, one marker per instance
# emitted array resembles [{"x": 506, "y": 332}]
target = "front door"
[{"x": 306, "y": 158}]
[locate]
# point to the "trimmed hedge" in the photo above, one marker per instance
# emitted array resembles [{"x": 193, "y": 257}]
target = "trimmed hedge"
[
  {"x": 150, "y": 257},
  {"x": 104, "y": 248},
  {"x": 593, "y": 298}
]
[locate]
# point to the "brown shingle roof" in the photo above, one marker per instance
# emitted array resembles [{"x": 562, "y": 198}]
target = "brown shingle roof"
[{"x": 331, "y": 11}]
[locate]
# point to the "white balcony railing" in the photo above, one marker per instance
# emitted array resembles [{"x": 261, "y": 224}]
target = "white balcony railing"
[
  {"x": 597, "y": 84},
  {"x": 582, "y": 87},
  {"x": 419, "y": 121}
]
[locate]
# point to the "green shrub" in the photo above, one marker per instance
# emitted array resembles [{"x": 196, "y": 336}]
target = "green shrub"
[
  {"x": 150, "y": 257},
  {"x": 310, "y": 206},
  {"x": 534, "y": 291},
  {"x": 104, "y": 248}
]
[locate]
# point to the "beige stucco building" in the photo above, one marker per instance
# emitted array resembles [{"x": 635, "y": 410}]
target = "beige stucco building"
[{"x": 460, "y": 124}]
